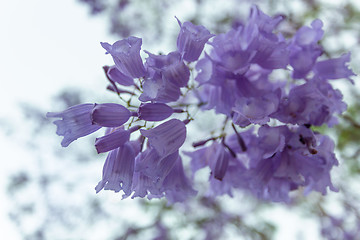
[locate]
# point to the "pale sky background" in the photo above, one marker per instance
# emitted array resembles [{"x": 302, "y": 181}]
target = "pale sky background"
[{"x": 46, "y": 45}]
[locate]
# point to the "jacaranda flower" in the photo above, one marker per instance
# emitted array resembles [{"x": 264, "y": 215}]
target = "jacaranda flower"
[
  {"x": 76, "y": 122},
  {"x": 191, "y": 40},
  {"x": 237, "y": 79},
  {"x": 126, "y": 55}
]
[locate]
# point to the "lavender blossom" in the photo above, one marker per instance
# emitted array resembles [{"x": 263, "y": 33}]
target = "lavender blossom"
[
  {"x": 155, "y": 89},
  {"x": 152, "y": 165},
  {"x": 112, "y": 140},
  {"x": 304, "y": 49},
  {"x": 115, "y": 75},
  {"x": 171, "y": 67},
  {"x": 191, "y": 40},
  {"x": 236, "y": 79},
  {"x": 75, "y": 123},
  {"x": 177, "y": 186},
  {"x": 335, "y": 68},
  {"x": 118, "y": 170},
  {"x": 126, "y": 55},
  {"x": 154, "y": 111},
  {"x": 167, "y": 137},
  {"x": 110, "y": 115}
]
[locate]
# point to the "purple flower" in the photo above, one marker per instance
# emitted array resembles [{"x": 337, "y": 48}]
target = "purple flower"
[
  {"x": 256, "y": 109},
  {"x": 167, "y": 137},
  {"x": 334, "y": 68},
  {"x": 315, "y": 167},
  {"x": 304, "y": 50},
  {"x": 271, "y": 140},
  {"x": 110, "y": 115},
  {"x": 230, "y": 52},
  {"x": 173, "y": 183},
  {"x": 151, "y": 164},
  {"x": 191, "y": 40},
  {"x": 155, "y": 89},
  {"x": 313, "y": 103},
  {"x": 222, "y": 163},
  {"x": 227, "y": 172},
  {"x": 307, "y": 36},
  {"x": 115, "y": 75},
  {"x": 171, "y": 67},
  {"x": 118, "y": 170},
  {"x": 154, "y": 111},
  {"x": 126, "y": 55},
  {"x": 76, "y": 122},
  {"x": 177, "y": 186},
  {"x": 264, "y": 22},
  {"x": 112, "y": 140}
]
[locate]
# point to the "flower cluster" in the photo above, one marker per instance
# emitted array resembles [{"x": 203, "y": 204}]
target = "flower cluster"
[{"x": 277, "y": 153}]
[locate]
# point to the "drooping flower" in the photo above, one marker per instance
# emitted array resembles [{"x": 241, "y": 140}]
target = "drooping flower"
[
  {"x": 115, "y": 75},
  {"x": 334, "y": 68},
  {"x": 75, "y": 123},
  {"x": 118, "y": 170},
  {"x": 112, "y": 140},
  {"x": 154, "y": 166},
  {"x": 177, "y": 186},
  {"x": 167, "y": 137},
  {"x": 126, "y": 55},
  {"x": 191, "y": 40}
]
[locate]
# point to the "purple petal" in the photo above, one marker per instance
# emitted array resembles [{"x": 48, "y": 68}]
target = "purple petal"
[
  {"x": 155, "y": 166},
  {"x": 176, "y": 185},
  {"x": 117, "y": 76},
  {"x": 110, "y": 115},
  {"x": 76, "y": 122},
  {"x": 167, "y": 137},
  {"x": 112, "y": 140},
  {"x": 334, "y": 68},
  {"x": 191, "y": 40},
  {"x": 126, "y": 55},
  {"x": 171, "y": 67},
  {"x": 118, "y": 170},
  {"x": 154, "y": 111},
  {"x": 157, "y": 90},
  {"x": 222, "y": 163}
]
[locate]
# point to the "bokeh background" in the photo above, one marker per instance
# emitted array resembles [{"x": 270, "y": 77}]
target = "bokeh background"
[{"x": 51, "y": 58}]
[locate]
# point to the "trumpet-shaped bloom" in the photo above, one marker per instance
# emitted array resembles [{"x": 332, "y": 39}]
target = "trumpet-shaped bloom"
[
  {"x": 167, "y": 137},
  {"x": 115, "y": 75},
  {"x": 118, "y": 170},
  {"x": 191, "y": 40},
  {"x": 126, "y": 55},
  {"x": 334, "y": 68},
  {"x": 75, "y": 123},
  {"x": 112, "y": 140}
]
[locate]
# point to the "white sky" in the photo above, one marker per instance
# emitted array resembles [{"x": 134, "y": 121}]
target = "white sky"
[{"x": 45, "y": 45}]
